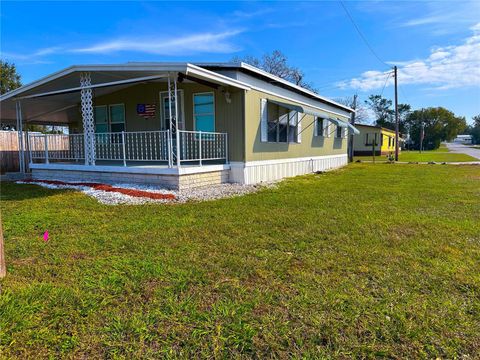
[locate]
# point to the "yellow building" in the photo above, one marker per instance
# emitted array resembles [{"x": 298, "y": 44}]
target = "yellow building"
[{"x": 373, "y": 137}]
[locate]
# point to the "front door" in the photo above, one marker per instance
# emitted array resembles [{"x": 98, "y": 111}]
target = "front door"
[{"x": 166, "y": 112}]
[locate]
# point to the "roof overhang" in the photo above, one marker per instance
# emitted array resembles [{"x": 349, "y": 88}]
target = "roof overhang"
[
  {"x": 277, "y": 80},
  {"x": 59, "y": 92}
]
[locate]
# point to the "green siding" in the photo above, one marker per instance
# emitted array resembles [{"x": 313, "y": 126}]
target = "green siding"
[
  {"x": 228, "y": 116},
  {"x": 310, "y": 145}
]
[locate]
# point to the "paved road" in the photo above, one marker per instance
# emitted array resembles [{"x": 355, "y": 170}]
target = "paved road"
[{"x": 459, "y": 148}]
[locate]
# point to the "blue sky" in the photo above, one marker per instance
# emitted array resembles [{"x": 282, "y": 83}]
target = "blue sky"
[{"x": 435, "y": 44}]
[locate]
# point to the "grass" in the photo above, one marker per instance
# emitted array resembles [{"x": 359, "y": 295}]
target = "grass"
[
  {"x": 441, "y": 154},
  {"x": 368, "y": 261},
  {"x": 436, "y": 156}
]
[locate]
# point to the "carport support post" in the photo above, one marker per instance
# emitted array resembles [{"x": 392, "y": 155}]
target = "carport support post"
[
  {"x": 87, "y": 118},
  {"x": 21, "y": 152},
  {"x": 176, "y": 121}
]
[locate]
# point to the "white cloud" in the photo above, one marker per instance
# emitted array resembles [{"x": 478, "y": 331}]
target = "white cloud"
[
  {"x": 446, "y": 67},
  {"x": 425, "y": 21},
  {"x": 442, "y": 17},
  {"x": 197, "y": 43},
  {"x": 209, "y": 42}
]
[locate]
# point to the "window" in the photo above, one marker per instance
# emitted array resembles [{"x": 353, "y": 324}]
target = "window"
[
  {"x": 204, "y": 111},
  {"x": 109, "y": 118},
  {"x": 322, "y": 127},
  {"x": 101, "y": 119},
  {"x": 117, "y": 118},
  {"x": 369, "y": 138},
  {"x": 339, "y": 132},
  {"x": 281, "y": 124}
]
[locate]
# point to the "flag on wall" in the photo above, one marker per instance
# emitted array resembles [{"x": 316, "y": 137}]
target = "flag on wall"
[{"x": 146, "y": 110}]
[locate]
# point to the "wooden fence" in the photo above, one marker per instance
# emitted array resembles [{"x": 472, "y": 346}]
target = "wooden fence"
[{"x": 9, "y": 146}]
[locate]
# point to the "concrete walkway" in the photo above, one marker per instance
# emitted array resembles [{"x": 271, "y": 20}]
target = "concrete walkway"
[{"x": 464, "y": 149}]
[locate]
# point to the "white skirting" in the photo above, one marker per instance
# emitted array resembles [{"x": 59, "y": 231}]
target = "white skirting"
[{"x": 269, "y": 170}]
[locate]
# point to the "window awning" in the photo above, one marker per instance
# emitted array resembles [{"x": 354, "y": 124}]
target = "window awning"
[
  {"x": 300, "y": 109},
  {"x": 338, "y": 122},
  {"x": 353, "y": 129},
  {"x": 344, "y": 124},
  {"x": 293, "y": 107}
]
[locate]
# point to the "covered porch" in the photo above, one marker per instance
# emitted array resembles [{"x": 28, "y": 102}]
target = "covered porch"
[{"x": 129, "y": 119}]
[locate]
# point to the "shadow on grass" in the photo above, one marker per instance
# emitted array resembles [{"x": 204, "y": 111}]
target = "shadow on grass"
[{"x": 10, "y": 191}]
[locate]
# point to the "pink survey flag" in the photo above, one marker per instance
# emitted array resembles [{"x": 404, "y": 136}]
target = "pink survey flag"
[{"x": 45, "y": 236}]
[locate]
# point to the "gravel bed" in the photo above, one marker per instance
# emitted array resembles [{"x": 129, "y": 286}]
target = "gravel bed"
[{"x": 199, "y": 194}]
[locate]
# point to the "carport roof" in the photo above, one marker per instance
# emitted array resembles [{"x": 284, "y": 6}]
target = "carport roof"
[{"x": 59, "y": 91}]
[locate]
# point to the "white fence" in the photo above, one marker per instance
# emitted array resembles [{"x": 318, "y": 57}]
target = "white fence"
[{"x": 139, "y": 146}]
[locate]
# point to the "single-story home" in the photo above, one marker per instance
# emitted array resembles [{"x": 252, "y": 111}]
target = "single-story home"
[
  {"x": 177, "y": 125},
  {"x": 373, "y": 138}
]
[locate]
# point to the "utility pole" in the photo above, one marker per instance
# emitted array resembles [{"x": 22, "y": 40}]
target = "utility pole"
[
  {"x": 350, "y": 138},
  {"x": 396, "y": 112}
]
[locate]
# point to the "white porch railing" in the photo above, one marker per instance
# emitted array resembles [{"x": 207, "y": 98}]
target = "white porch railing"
[
  {"x": 54, "y": 147},
  {"x": 128, "y": 147},
  {"x": 199, "y": 146}
]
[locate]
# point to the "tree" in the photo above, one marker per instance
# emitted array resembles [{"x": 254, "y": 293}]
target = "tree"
[
  {"x": 382, "y": 108},
  {"x": 276, "y": 64},
  {"x": 385, "y": 114},
  {"x": 9, "y": 78},
  {"x": 474, "y": 130},
  {"x": 476, "y": 120},
  {"x": 439, "y": 124},
  {"x": 361, "y": 114}
]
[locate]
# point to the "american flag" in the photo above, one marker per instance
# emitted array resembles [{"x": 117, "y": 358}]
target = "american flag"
[{"x": 146, "y": 110}]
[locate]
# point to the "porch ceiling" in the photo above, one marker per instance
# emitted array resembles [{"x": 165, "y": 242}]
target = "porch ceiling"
[{"x": 64, "y": 108}]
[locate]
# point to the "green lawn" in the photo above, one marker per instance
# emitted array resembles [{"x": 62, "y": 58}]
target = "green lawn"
[
  {"x": 368, "y": 261},
  {"x": 425, "y": 156},
  {"x": 436, "y": 156}
]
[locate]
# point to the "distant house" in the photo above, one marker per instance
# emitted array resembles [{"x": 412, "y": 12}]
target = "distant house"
[
  {"x": 373, "y": 138},
  {"x": 464, "y": 139},
  {"x": 178, "y": 125}
]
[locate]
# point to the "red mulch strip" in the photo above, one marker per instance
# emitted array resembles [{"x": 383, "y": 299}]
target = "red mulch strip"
[{"x": 109, "y": 188}]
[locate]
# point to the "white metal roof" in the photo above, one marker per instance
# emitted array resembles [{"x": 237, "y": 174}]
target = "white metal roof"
[{"x": 275, "y": 78}]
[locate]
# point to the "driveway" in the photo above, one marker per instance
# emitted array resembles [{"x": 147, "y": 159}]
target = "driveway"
[{"x": 460, "y": 148}]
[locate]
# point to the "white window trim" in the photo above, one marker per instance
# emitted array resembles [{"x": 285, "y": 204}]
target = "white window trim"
[
  {"x": 336, "y": 132},
  {"x": 214, "y": 110},
  {"x": 288, "y": 126},
  {"x": 322, "y": 131}
]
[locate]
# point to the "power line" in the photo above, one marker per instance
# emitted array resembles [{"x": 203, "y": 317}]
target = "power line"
[
  {"x": 334, "y": 84},
  {"x": 362, "y": 36},
  {"x": 403, "y": 94},
  {"x": 386, "y": 80}
]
